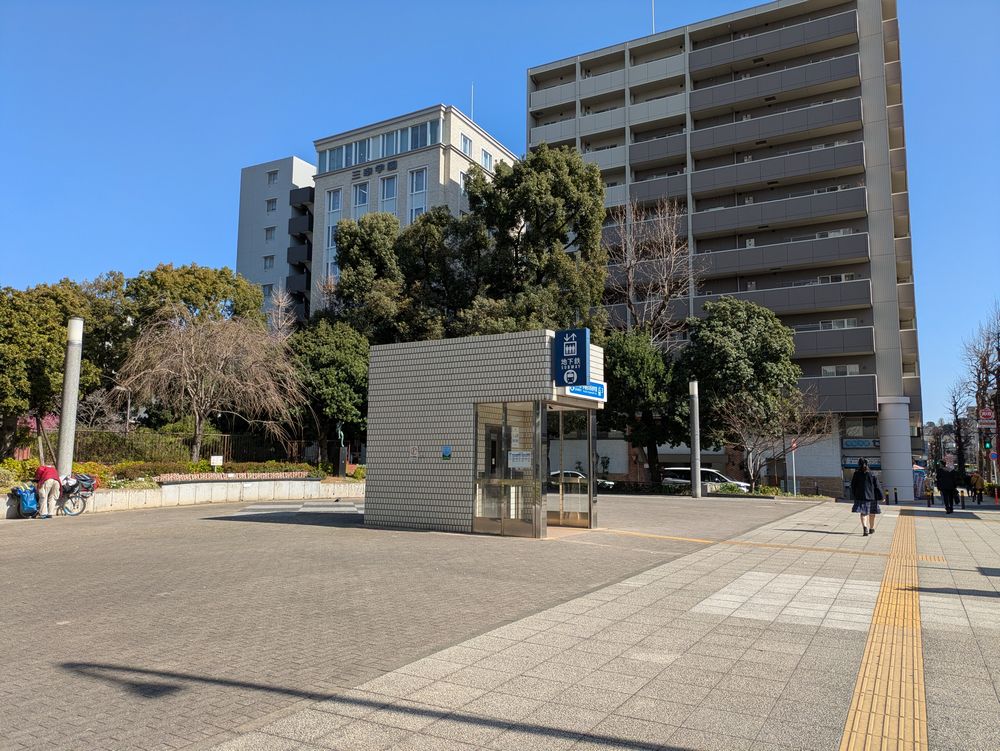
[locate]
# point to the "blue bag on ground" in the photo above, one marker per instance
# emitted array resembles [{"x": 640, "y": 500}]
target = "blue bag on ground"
[{"x": 27, "y": 500}]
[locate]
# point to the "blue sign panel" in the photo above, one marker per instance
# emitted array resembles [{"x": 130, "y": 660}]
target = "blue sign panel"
[
  {"x": 595, "y": 390},
  {"x": 571, "y": 357}
]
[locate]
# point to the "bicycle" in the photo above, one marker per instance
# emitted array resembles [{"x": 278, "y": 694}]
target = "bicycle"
[{"x": 76, "y": 490}]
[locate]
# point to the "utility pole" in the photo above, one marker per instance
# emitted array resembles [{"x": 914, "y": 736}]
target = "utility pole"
[
  {"x": 695, "y": 441},
  {"x": 71, "y": 390}
]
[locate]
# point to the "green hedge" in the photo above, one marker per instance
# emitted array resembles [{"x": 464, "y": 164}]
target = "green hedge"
[{"x": 24, "y": 471}]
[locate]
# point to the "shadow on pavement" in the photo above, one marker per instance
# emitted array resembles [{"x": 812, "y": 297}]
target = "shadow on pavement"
[
  {"x": 991, "y": 593},
  {"x": 817, "y": 531},
  {"x": 130, "y": 679},
  {"x": 311, "y": 518}
]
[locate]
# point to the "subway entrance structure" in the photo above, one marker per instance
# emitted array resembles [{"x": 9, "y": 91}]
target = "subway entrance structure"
[{"x": 484, "y": 434}]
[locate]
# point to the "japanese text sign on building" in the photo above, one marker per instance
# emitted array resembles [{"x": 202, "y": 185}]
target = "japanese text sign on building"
[{"x": 571, "y": 357}]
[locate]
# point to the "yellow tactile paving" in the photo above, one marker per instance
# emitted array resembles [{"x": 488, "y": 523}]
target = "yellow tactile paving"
[{"x": 888, "y": 710}]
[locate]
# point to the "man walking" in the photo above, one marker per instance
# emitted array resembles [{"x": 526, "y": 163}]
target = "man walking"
[
  {"x": 978, "y": 485},
  {"x": 947, "y": 482},
  {"x": 49, "y": 487}
]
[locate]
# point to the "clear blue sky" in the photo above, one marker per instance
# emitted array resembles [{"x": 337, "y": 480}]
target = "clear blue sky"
[{"x": 125, "y": 124}]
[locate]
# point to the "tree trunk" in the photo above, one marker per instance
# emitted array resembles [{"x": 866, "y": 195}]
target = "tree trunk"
[
  {"x": 199, "y": 430},
  {"x": 41, "y": 439}
]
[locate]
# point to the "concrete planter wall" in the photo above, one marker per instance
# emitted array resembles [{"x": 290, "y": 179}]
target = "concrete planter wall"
[{"x": 192, "y": 493}]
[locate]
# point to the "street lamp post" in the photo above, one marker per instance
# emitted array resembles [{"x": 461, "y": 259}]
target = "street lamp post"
[{"x": 695, "y": 441}]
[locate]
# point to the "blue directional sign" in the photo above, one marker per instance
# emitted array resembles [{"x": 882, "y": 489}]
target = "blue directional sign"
[
  {"x": 571, "y": 357},
  {"x": 593, "y": 390}
]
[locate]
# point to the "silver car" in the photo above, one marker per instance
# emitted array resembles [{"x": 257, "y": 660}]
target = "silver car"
[{"x": 682, "y": 476}]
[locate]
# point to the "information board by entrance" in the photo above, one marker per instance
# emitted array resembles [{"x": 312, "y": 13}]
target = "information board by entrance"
[{"x": 571, "y": 357}]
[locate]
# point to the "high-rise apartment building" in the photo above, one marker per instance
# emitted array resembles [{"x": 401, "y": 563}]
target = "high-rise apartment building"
[
  {"x": 263, "y": 254},
  {"x": 779, "y": 131}
]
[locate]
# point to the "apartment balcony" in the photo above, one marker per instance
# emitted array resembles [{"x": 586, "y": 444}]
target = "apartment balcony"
[
  {"x": 601, "y": 122},
  {"x": 904, "y": 250},
  {"x": 298, "y": 284},
  {"x": 559, "y": 132},
  {"x": 791, "y": 83},
  {"x": 606, "y": 159},
  {"x": 858, "y": 393},
  {"x": 897, "y": 133},
  {"x": 908, "y": 342},
  {"x": 835, "y": 342},
  {"x": 301, "y": 197},
  {"x": 917, "y": 443},
  {"x": 811, "y": 298},
  {"x": 552, "y": 96},
  {"x": 300, "y": 225},
  {"x": 819, "y": 207},
  {"x": 897, "y": 160},
  {"x": 895, "y": 115},
  {"x": 300, "y": 255},
  {"x": 904, "y": 294},
  {"x": 611, "y": 233},
  {"x": 834, "y": 161},
  {"x": 819, "y": 120},
  {"x": 893, "y": 76},
  {"x": 890, "y": 30},
  {"x": 605, "y": 83},
  {"x": 901, "y": 214},
  {"x": 668, "y": 147},
  {"x": 820, "y": 34},
  {"x": 656, "y": 70},
  {"x": 301, "y": 311},
  {"x": 656, "y": 109},
  {"x": 827, "y": 251},
  {"x": 671, "y": 186},
  {"x": 616, "y": 195},
  {"x": 911, "y": 388}
]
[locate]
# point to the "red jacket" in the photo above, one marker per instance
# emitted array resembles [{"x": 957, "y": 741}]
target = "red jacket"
[{"x": 44, "y": 473}]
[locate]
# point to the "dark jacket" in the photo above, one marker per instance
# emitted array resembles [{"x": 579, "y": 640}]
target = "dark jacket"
[
  {"x": 863, "y": 487},
  {"x": 947, "y": 479}
]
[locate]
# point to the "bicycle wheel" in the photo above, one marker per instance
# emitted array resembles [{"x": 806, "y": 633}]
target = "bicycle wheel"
[{"x": 74, "y": 505}]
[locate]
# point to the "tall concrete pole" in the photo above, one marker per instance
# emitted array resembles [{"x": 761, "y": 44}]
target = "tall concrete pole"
[
  {"x": 71, "y": 390},
  {"x": 695, "y": 441}
]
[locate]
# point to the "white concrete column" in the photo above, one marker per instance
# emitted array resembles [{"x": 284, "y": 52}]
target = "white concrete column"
[{"x": 894, "y": 442}]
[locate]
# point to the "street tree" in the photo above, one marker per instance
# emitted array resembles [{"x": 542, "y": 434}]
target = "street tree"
[
  {"x": 332, "y": 361},
  {"x": 203, "y": 291},
  {"x": 739, "y": 349},
  {"x": 651, "y": 269},
  {"x": 201, "y": 365},
  {"x": 770, "y": 429},
  {"x": 638, "y": 375}
]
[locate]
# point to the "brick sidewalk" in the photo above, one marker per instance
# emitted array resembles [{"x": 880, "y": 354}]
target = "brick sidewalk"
[{"x": 753, "y": 643}]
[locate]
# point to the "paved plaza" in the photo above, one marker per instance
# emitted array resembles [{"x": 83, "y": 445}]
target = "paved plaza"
[{"x": 722, "y": 625}]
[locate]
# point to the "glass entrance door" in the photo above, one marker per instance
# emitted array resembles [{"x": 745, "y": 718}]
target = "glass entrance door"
[
  {"x": 570, "y": 459},
  {"x": 508, "y": 491}
]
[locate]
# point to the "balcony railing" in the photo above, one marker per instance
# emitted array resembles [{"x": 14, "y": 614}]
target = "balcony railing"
[
  {"x": 782, "y": 212},
  {"x": 796, "y": 254}
]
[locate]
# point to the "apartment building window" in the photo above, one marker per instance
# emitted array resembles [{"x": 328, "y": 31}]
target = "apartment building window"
[
  {"x": 268, "y": 262},
  {"x": 466, "y": 145},
  {"x": 839, "y": 323},
  {"x": 850, "y": 369},
  {"x": 387, "y": 195},
  {"x": 360, "y": 200},
  {"x": 272, "y": 205},
  {"x": 269, "y": 234},
  {"x": 333, "y": 215},
  {"x": 487, "y": 160},
  {"x": 463, "y": 178},
  {"x": 418, "y": 193},
  {"x": 861, "y": 427},
  {"x": 834, "y": 278},
  {"x": 390, "y": 143},
  {"x": 272, "y": 177},
  {"x": 381, "y": 146},
  {"x": 267, "y": 289}
]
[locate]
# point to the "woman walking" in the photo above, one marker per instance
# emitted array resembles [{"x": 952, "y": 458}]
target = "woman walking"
[{"x": 866, "y": 493}]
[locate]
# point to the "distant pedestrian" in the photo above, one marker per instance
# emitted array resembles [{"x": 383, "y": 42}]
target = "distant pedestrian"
[
  {"x": 49, "y": 487},
  {"x": 947, "y": 482},
  {"x": 866, "y": 493},
  {"x": 978, "y": 485}
]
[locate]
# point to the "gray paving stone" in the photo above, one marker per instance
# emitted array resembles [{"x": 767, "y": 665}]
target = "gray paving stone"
[
  {"x": 306, "y": 725},
  {"x": 687, "y": 738},
  {"x": 260, "y": 742},
  {"x": 809, "y": 736},
  {"x": 743, "y": 702},
  {"x": 362, "y": 735},
  {"x": 655, "y": 710},
  {"x": 724, "y": 722}
]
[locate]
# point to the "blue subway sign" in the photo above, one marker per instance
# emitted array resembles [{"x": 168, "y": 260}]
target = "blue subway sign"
[{"x": 571, "y": 357}]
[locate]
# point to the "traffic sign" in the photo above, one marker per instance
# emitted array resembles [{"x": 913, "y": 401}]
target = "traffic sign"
[
  {"x": 987, "y": 425},
  {"x": 986, "y": 414},
  {"x": 571, "y": 357},
  {"x": 993, "y": 456}
]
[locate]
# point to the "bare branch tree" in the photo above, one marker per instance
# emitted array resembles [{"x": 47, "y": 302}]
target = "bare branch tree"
[
  {"x": 199, "y": 366},
  {"x": 281, "y": 319},
  {"x": 769, "y": 431},
  {"x": 99, "y": 410},
  {"x": 651, "y": 268}
]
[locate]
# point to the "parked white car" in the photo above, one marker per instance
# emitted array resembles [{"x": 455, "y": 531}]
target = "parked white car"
[{"x": 682, "y": 476}]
